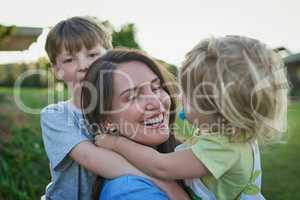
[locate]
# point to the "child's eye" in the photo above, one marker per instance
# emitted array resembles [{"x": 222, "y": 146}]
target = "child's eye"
[{"x": 67, "y": 60}]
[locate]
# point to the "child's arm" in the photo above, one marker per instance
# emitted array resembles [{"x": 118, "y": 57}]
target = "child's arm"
[
  {"x": 64, "y": 142},
  {"x": 109, "y": 164},
  {"x": 101, "y": 161},
  {"x": 177, "y": 165}
]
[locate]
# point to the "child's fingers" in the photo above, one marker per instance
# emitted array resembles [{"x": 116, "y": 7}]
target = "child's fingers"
[{"x": 104, "y": 140}]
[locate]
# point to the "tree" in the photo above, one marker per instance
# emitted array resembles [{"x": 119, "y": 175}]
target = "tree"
[
  {"x": 6, "y": 31},
  {"x": 126, "y": 37}
]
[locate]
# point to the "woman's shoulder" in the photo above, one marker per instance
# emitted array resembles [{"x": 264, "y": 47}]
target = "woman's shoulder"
[
  {"x": 131, "y": 187},
  {"x": 127, "y": 180}
]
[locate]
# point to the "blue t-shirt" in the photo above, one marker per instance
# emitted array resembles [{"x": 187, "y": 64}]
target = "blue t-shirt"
[
  {"x": 131, "y": 188},
  {"x": 62, "y": 129}
]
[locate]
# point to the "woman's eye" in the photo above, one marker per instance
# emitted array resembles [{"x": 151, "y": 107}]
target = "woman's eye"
[
  {"x": 93, "y": 54},
  {"x": 132, "y": 98},
  {"x": 156, "y": 88}
]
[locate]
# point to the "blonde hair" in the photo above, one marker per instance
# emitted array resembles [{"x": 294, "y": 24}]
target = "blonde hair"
[
  {"x": 241, "y": 80},
  {"x": 74, "y": 33}
]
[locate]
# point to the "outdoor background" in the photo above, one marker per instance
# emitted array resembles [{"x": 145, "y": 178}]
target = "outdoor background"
[{"x": 24, "y": 170}]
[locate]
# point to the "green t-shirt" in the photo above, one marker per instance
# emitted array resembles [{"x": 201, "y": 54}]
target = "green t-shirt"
[{"x": 230, "y": 164}]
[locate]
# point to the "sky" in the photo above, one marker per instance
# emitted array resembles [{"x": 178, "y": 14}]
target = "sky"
[{"x": 165, "y": 29}]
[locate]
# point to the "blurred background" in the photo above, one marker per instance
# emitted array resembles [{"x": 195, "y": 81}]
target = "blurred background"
[{"x": 164, "y": 29}]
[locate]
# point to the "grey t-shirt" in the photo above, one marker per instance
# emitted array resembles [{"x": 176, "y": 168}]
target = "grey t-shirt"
[{"x": 63, "y": 128}]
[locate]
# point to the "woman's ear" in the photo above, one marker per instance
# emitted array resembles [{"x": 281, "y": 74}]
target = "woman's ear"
[{"x": 110, "y": 127}]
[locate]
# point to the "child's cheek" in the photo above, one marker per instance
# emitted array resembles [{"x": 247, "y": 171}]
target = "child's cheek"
[
  {"x": 189, "y": 117},
  {"x": 192, "y": 117}
]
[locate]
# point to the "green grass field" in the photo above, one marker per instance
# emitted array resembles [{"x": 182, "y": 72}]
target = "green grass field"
[{"x": 24, "y": 170}]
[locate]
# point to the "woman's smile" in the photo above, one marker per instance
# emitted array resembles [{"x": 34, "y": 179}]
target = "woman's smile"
[{"x": 156, "y": 121}]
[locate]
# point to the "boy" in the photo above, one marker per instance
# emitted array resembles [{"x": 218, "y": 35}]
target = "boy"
[{"x": 72, "y": 45}]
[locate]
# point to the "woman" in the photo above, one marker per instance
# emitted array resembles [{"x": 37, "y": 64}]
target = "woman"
[{"x": 125, "y": 92}]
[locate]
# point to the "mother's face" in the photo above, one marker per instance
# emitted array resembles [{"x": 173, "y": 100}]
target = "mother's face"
[{"x": 140, "y": 106}]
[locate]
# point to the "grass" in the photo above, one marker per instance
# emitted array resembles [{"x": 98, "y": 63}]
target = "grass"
[
  {"x": 281, "y": 164},
  {"x": 23, "y": 165},
  {"x": 24, "y": 171}
]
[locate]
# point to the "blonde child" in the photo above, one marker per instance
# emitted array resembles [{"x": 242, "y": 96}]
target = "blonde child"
[{"x": 235, "y": 92}]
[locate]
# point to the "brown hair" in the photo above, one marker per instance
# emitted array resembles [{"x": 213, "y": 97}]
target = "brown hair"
[
  {"x": 109, "y": 62},
  {"x": 243, "y": 81},
  {"x": 74, "y": 33}
]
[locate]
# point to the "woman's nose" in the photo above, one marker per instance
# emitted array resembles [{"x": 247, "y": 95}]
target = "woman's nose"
[
  {"x": 153, "y": 102},
  {"x": 152, "y": 106}
]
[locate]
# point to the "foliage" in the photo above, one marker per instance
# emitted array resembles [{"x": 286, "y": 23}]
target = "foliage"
[
  {"x": 23, "y": 163},
  {"x": 125, "y": 37},
  {"x": 6, "y": 31},
  {"x": 30, "y": 73}
]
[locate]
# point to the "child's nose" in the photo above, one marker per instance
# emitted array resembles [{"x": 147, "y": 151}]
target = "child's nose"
[{"x": 82, "y": 64}]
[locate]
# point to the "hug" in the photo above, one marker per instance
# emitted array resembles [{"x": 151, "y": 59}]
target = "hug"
[{"x": 115, "y": 137}]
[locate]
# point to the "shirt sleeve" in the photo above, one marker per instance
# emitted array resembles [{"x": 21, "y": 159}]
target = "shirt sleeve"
[
  {"x": 216, "y": 153},
  {"x": 131, "y": 188},
  {"x": 60, "y": 135}
]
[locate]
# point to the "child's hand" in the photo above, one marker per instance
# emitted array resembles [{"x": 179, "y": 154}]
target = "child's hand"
[{"x": 106, "y": 141}]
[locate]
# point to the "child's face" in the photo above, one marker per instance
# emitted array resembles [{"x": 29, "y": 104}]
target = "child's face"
[
  {"x": 72, "y": 68},
  {"x": 200, "y": 118},
  {"x": 189, "y": 114}
]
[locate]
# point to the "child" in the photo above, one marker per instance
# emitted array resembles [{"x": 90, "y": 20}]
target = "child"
[
  {"x": 72, "y": 45},
  {"x": 233, "y": 91}
]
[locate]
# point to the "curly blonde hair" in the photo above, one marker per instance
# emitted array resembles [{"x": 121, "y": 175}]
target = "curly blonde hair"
[{"x": 241, "y": 80}]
